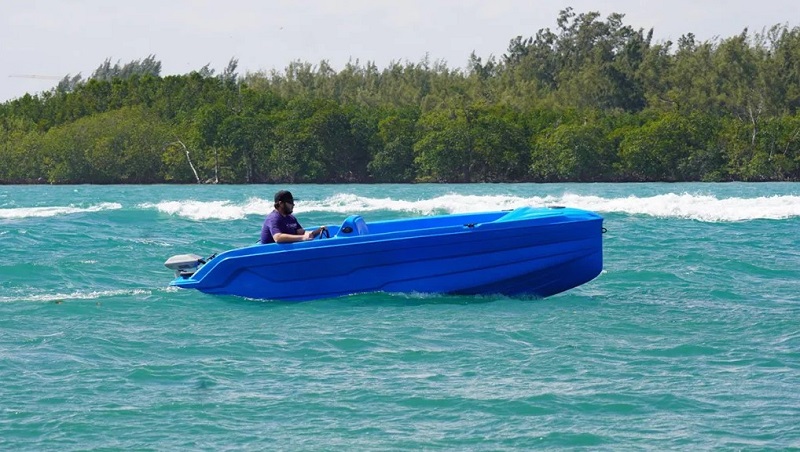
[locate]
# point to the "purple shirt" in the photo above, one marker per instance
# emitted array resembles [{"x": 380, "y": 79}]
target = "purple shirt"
[{"x": 276, "y": 223}]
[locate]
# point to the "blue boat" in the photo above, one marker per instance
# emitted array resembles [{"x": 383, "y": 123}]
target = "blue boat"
[{"x": 527, "y": 251}]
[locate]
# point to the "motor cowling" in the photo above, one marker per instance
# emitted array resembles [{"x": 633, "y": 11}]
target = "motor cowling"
[{"x": 184, "y": 264}]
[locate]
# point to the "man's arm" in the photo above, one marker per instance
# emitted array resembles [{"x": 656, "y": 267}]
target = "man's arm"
[
  {"x": 302, "y": 235},
  {"x": 283, "y": 237}
]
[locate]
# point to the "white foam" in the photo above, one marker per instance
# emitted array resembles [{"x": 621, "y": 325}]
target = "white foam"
[
  {"x": 31, "y": 212},
  {"x": 211, "y": 210},
  {"x": 694, "y": 207},
  {"x": 450, "y": 203},
  {"x": 74, "y": 296},
  {"x": 671, "y": 205}
]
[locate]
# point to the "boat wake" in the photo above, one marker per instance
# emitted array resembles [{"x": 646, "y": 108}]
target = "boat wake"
[
  {"x": 212, "y": 210},
  {"x": 694, "y": 207},
  {"x": 704, "y": 208},
  {"x": 672, "y": 205}
]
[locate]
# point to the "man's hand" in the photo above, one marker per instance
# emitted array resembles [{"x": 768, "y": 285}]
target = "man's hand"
[{"x": 318, "y": 231}]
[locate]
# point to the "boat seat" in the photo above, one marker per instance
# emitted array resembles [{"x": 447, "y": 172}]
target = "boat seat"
[{"x": 353, "y": 225}]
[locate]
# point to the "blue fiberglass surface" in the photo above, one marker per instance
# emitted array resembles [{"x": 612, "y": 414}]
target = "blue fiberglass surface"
[{"x": 531, "y": 251}]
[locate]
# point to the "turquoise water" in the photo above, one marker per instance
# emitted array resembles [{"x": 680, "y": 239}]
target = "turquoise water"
[{"x": 690, "y": 338}]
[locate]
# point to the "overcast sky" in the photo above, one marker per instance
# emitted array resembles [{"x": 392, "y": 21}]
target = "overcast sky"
[{"x": 53, "y": 38}]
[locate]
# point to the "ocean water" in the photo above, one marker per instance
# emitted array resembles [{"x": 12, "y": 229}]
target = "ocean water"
[{"x": 689, "y": 339}]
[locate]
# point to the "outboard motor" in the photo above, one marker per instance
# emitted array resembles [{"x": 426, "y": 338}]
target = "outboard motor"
[{"x": 184, "y": 264}]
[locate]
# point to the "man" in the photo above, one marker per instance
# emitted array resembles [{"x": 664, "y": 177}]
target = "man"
[{"x": 281, "y": 226}]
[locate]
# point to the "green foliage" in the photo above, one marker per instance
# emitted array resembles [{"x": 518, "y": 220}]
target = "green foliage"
[
  {"x": 20, "y": 152},
  {"x": 669, "y": 148},
  {"x": 769, "y": 152},
  {"x": 444, "y": 152},
  {"x": 573, "y": 152},
  {"x": 107, "y": 72},
  {"x": 122, "y": 146},
  {"x": 394, "y": 159},
  {"x": 499, "y": 141},
  {"x": 591, "y": 100}
]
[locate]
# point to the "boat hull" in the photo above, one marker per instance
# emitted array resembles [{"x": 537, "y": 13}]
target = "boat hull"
[{"x": 533, "y": 252}]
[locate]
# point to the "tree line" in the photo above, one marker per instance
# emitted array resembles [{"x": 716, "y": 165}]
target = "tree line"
[{"x": 592, "y": 100}]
